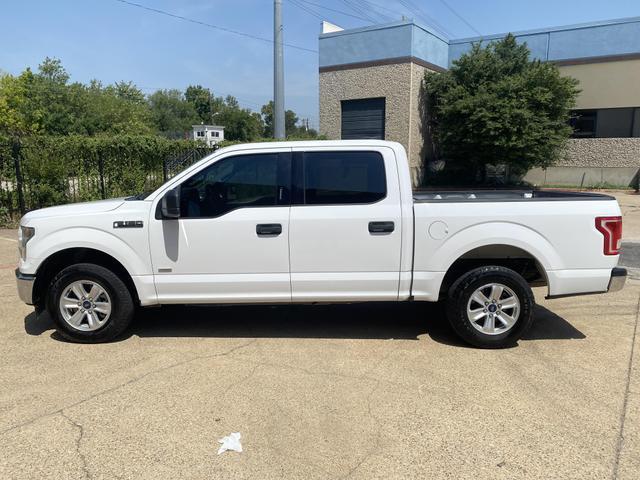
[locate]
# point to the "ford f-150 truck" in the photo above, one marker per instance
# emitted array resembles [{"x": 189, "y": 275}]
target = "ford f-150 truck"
[{"x": 317, "y": 221}]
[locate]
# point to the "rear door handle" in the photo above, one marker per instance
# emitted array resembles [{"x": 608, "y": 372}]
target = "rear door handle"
[
  {"x": 268, "y": 229},
  {"x": 381, "y": 227}
]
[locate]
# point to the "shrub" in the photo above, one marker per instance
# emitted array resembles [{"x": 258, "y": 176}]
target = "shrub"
[
  {"x": 495, "y": 106},
  {"x": 62, "y": 169}
]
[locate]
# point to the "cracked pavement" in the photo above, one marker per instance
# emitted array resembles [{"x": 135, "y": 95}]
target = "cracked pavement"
[{"x": 356, "y": 391}]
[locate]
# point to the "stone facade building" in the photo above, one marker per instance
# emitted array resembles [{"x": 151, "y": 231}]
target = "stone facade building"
[{"x": 371, "y": 87}]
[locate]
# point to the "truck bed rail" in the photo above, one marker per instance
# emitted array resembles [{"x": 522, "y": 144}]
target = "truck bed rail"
[{"x": 451, "y": 196}]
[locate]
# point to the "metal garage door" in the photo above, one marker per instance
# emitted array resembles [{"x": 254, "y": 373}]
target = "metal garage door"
[{"x": 363, "y": 119}]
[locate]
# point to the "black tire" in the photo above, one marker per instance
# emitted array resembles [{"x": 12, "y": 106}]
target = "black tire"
[
  {"x": 458, "y": 300},
  {"x": 122, "y": 305}
]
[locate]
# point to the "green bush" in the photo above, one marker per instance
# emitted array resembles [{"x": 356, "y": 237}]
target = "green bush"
[
  {"x": 74, "y": 168},
  {"x": 497, "y": 106}
]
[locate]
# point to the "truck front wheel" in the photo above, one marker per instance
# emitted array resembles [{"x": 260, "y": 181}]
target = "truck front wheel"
[
  {"x": 89, "y": 303},
  {"x": 490, "y": 307}
]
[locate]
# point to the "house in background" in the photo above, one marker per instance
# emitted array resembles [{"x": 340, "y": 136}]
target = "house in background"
[
  {"x": 371, "y": 87},
  {"x": 210, "y": 134}
]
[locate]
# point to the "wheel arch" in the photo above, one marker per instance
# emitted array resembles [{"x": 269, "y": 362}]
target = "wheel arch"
[
  {"x": 57, "y": 261},
  {"x": 507, "y": 255}
]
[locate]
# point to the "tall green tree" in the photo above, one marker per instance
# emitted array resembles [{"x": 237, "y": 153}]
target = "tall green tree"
[
  {"x": 172, "y": 115},
  {"x": 51, "y": 93},
  {"x": 204, "y": 102},
  {"x": 290, "y": 121},
  {"x": 240, "y": 123},
  {"x": 496, "y": 106},
  {"x": 118, "y": 108},
  {"x": 46, "y": 103},
  {"x": 19, "y": 113}
]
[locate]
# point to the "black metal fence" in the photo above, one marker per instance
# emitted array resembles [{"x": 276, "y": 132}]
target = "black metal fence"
[{"x": 40, "y": 172}]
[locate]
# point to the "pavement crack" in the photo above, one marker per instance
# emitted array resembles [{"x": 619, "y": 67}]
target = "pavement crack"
[
  {"x": 242, "y": 380},
  {"x": 85, "y": 465},
  {"x": 623, "y": 414},
  {"x": 376, "y": 445},
  {"x": 127, "y": 383}
]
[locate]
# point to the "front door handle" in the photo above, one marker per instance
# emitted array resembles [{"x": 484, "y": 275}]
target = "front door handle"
[
  {"x": 378, "y": 228},
  {"x": 268, "y": 229}
]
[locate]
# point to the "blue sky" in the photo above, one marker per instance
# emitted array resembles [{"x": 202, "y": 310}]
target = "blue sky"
[{"x": 111, "y": 41}]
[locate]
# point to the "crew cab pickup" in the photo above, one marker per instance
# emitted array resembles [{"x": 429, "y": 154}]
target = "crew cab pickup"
[{"x": 317, "y": 221}]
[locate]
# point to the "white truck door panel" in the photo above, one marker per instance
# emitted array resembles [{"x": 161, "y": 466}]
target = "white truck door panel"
[
  {"x": 231, "y": 243},
  {"x": 345, "y": 233}
]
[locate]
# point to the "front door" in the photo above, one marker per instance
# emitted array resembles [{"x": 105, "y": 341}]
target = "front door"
[
  {"x": 231, "y": 242},
  {"x": 345, "y": 229}
]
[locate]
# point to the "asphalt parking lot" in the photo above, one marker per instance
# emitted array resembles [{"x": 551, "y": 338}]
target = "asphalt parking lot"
[{"x": 360, "y": 391}]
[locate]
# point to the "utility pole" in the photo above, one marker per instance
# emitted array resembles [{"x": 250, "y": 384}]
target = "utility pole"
[{"x": 278, "y": 72}]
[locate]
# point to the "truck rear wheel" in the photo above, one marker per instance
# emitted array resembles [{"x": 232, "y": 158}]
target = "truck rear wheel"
[
  {"x": 90, "y": 304},
  {"x": 490, "y": 307}
]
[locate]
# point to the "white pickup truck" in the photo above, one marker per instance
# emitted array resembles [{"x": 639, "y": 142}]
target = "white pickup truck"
[{"x": 318, "y": 221}]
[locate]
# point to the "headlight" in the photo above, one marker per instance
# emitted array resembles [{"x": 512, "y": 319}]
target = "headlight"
[{"x": 24, "y": 235}]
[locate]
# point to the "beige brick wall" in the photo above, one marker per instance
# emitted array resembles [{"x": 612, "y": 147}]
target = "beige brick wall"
[
  {"x": 601, "y": 152},
  {"x": 400, "y": 84},
  {"x": 420, "y": 145}
]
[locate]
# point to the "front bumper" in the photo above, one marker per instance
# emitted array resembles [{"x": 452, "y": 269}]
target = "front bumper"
[
  {"x": 25, "y": 283},
  {"x": 618, "y": 278}
]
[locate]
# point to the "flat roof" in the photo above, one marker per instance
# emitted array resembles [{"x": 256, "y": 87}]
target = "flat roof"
[
  {"x": 404, "y": 40},
  {"x": 575, "y": 26}
]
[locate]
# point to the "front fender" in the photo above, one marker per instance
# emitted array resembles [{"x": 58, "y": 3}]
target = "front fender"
[{"x": 132, "y": 253}]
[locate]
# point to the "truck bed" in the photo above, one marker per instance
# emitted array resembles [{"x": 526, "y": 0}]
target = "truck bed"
[
  {"x": 451, "y": 196},
  {"x": 557, "y": 231}
]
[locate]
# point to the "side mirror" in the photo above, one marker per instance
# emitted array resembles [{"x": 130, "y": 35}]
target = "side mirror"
[{"x": 170, "y": 204}]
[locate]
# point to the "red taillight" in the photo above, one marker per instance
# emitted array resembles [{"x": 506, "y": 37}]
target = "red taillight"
[{"x": 611, "y": 228}]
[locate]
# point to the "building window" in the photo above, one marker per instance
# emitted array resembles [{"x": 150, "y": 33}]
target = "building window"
[
  {"x": 606, "y": 123},
  {"x": 200, "y": 133},
  {"x": 584, "y": 123},
  {"x": 215, "y": 134}
]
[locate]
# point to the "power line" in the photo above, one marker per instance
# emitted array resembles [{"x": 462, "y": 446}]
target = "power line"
[
  {"x": 306, "y": 9},
  {"x": 460, "y": 17},
  {"x": 209, "y": 25},
  {"x": 341, "y": 12},
  {"x": 414, "y": 9},
  {"x": 373, "y": 12},
  {"x": 374, "y": 6},
  {"x": 359, "y": 10}
]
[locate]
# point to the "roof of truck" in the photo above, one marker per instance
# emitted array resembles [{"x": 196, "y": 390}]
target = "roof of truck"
[{"x": 311, "y": 143}]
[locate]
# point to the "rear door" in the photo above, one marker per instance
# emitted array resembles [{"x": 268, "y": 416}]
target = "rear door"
[{"x": 345, "y": 225}]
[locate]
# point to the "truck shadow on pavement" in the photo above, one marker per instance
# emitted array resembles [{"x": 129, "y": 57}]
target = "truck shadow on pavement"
[{"x": 358, "y": 321}]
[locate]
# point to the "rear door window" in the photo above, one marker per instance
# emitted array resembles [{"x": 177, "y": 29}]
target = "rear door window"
[{"x": 343, "y": 178}]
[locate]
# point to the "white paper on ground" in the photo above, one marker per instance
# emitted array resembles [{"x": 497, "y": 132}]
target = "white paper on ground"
[{"x": 230, "y": 442}]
